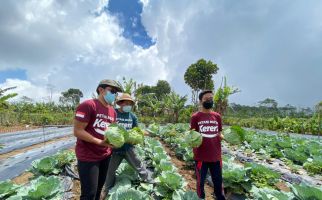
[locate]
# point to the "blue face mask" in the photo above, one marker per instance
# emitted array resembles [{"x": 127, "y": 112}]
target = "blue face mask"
[
  {"x": 109, "y": 97},
  {"x": 127, "y": 108}
]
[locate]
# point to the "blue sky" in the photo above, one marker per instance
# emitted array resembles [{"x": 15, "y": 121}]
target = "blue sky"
[
  {"x": 268, "y": 48},
  {"x": 13, "y": 73},
  {"x": 128, "y": 13}
]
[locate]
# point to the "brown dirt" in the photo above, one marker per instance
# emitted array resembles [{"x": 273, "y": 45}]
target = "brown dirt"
[
  {"x": 188, "y": 174},
  {"x": 23, "y": 178},
  {"x": 283, "y": 187},
  {"x": 6, "y": 129},
  {"x": 18, "y": 151},
  {"x": 76, "y": 190}
]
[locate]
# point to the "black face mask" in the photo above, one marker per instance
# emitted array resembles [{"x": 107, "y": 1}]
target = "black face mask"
[{"x": 208, "y": 104}]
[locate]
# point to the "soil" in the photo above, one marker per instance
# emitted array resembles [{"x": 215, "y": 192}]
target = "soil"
[
  {"x": 6, "y": 129},
  {"x": 23, "y": 178},
  {"x": 187, "y": 173}
]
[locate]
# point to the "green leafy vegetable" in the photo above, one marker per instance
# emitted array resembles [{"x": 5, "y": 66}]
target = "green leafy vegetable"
[
  {"x": 135, "y": 136},
  {"x": 234, "y": 135},
  {"x": 115, "y": 135},
  {"x": 193, "y": 138}
]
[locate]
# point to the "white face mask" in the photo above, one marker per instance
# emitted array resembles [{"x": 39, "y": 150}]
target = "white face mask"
[{"x": 127, "y": 108}]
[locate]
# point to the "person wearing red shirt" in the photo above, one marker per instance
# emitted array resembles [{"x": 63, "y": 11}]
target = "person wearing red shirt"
[
  {"x": 92, "y": 119},
  {"x": 208, "y": 155}
]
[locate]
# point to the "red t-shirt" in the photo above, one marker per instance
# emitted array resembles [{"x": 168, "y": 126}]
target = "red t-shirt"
[
  {"x": 209, "y": 125},
  {"x": 98, "y": 118}
]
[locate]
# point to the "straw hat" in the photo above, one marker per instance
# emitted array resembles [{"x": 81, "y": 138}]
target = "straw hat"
[{"x": 124, "y": 97}]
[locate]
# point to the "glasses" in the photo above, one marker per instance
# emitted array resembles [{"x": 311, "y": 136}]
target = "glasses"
[{"x": 112, "y": 90}]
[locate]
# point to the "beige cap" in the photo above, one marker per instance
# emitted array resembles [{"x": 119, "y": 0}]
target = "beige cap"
[
  {"x": 125, "y": 97},
  {"x": 112, "y": 83}
]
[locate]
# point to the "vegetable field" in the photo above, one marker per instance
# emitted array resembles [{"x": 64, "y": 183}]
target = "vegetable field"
[{"x": 255, "y": 165}]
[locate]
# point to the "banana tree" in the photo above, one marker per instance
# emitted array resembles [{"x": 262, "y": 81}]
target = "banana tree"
[
  {"x": 150, "y": 102},
  {"x": 129, "y": 86},
  {"x": 221, "y": 96},
  {"x": 174, "y": 103},
  {"x": 4, "y": 98}
]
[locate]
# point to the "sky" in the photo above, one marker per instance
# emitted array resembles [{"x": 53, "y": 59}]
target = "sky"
[{"x": 267, "y": 49}]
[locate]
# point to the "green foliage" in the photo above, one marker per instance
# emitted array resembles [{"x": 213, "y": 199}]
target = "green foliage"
[
  {"x": 235, "y": 178},
  {"x": 314, "y": 166},
  {"x": 221, "y": 96},
  {"x": 306, "y": 192},
  {"x": 153, "y": 129},
  {"x": 45, "y": 166},
  {"x": 270, "y": 194},
  {"x": 193, "y": 138},
  {"x": 181, "y": 195},
  {"x": 298, "y": 156},
  {"x": 292, "y": 125},
  {"x": 168, "y": 183},
  {"x": 71, "y": 97},
  {"x": 52, "y": 164},
  {"x": 7, "y": 188},
  {"x": 125, "y": 193},
  {"x": 135, "y": 136},
  {"x": 115, "y": 135},
  {"x": 41, "y": 188},
  {"x": 64, "y": 158},
  {"x": 261, "y": 176},
  {"x": 3, "y": 98},
  {"x": 161, "y": 89},
  {"x": 234, "y": 135},
  {"x": 199, "y": 77}
]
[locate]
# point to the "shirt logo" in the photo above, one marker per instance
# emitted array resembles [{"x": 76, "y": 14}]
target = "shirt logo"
[
  {"x": 100, "y": 126},
  {"x": 204, "y": 129}
]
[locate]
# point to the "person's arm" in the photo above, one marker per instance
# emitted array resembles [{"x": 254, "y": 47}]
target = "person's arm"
[
  {"x": 81, "y": 133},
  {"x": 194, "y": 124},
  {"x": 220, "y": 128},
  {"x": 135, "y": 121}
]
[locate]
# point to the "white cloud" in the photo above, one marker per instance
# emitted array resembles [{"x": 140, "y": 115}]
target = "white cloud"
[
  {"x": 73, "y": 44},
  {"x": 263, "y": 47},
  {"x": 26, "y": 88}
]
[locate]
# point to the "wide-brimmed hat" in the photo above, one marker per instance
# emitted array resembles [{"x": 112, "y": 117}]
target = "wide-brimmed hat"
[
  {"x": 111, "y": 83},
  {"x": 124, "y": 97}
]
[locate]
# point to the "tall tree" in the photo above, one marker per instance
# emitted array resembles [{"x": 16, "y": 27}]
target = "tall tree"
[
  {"x": 71, "y": 97},
  {"x": 161, "y": 89},
  {"x": 199, "y": 77},
  {"x": 269, "y": 103}
]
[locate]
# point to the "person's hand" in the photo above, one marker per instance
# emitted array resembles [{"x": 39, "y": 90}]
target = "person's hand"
[
  {"x": 222, "y": 137},
  {"x": 105, "y": 144}
]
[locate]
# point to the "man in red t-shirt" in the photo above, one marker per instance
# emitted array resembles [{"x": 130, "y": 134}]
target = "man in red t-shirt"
[
  {"x": 92, "y": 118},
  {"x": 208, "y": 154}
]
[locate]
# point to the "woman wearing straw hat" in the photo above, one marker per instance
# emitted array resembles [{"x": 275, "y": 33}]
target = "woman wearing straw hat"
[{"x": 128, "y": 120}]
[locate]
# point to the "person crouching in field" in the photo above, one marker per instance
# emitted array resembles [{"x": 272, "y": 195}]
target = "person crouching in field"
[
  {"x": 128, "y": 120},
  {"x": 208, "y": 155},
  {"x": 92, "y": 118}
]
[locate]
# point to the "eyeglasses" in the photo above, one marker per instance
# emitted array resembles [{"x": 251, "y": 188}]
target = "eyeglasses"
[{"x": 112, "y": 90}]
